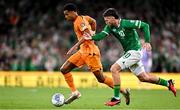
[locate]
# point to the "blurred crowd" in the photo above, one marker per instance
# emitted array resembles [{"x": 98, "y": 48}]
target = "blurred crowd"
[{"x": 35, "y": 36}]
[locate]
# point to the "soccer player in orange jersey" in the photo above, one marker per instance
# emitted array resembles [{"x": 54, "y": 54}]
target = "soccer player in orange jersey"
[{"x": 88, "y": 53}]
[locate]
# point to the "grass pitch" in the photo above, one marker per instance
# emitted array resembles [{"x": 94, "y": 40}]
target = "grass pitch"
[{"x": 92, "y": 98}]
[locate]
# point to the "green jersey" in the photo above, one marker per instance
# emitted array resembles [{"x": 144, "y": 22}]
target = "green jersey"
[{"x": 126, "y": 33}]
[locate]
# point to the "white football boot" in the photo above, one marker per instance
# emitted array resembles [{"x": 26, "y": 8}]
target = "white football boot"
[{"x": 74, "y": 95}]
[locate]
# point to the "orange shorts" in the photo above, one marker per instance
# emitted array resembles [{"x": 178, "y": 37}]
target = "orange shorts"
[{"x": 93, "y": 61}]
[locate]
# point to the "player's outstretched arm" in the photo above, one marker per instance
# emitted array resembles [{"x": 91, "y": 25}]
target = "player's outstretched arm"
[
  {"x": 75, "y": 47},
  {"x": 99, "y": 36},
  {"x": 96, "y": 37},
  {"x": 104, "y": 33}
]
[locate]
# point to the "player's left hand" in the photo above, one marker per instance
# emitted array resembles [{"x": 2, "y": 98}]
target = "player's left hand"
[{"x": 147, "y": 46}]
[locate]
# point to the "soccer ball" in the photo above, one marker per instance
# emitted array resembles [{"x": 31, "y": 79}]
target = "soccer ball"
[{"x": 58, "y": 99}]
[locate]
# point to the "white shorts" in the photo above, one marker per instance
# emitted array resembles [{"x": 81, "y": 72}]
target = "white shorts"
[{"x": 132, "y": 60}]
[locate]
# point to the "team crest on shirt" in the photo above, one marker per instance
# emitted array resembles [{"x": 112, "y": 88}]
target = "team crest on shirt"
[
  {"x": 121, "y": 33},
  {"x": 114, "y": 30},
  {"x": 82, "y": 24}
]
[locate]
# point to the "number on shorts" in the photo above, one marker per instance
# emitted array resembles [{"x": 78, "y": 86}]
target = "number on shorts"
[{"x": 127, "y": 55}]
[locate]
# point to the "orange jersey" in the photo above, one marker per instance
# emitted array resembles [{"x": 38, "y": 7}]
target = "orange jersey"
[{"x": 80, "y": 24}]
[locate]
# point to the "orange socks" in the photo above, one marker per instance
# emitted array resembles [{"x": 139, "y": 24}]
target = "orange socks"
[{"x": 69, "y": 80}]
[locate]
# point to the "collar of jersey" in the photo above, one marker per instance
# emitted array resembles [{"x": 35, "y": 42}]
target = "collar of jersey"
[{"x": 119, "y": 23}]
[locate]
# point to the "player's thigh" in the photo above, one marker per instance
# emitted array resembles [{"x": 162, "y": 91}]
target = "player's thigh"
[
  {"x": 115, "y": 67},
  {"x": 129, "y": 58},
  {"x": 94, "y": 62}
]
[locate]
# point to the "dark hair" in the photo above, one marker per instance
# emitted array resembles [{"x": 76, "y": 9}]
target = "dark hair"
[
  {"x": 111, "y": 12},
  {"x": 70, "y": 7}
]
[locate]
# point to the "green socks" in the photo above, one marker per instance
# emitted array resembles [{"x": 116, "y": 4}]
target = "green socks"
[
  {"x": 117, "y": 91},
  {"x": 163, "y": 82}
]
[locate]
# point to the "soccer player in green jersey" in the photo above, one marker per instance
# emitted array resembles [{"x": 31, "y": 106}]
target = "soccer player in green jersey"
[{"x": 125, "y": 32}]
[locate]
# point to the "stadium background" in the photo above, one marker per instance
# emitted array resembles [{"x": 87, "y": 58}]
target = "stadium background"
[
  {"x": 34, "y": 38},
  {"x": 34, "y": 34}
]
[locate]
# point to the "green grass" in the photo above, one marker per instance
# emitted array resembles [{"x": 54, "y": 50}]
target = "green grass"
[{"x": 92, "y": 98}]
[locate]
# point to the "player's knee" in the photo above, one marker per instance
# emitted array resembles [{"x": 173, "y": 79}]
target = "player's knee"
[
  {"x": 63, "y": 70},
  {"x": 113, "y": 69},
  {"x": 99, "y": 76},
  {"x": 101, "y": 80},
  {"x": 142, "y": 79}
]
